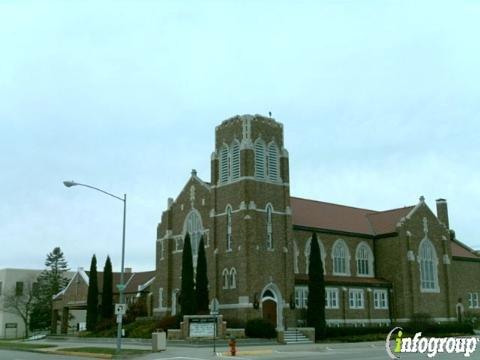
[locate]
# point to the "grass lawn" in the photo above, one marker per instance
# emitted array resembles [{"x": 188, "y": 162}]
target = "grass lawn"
[{"x": 14, "y": 345}]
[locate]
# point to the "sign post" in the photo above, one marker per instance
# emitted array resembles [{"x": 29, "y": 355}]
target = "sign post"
[
  {"x": 214, "y": 313},
  {"x": 120, "y": 310}
]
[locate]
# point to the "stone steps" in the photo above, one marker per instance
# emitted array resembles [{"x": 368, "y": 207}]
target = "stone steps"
[{"x": 295, "y": 337}]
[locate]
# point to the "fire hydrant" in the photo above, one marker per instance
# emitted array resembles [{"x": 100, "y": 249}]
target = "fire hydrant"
[{"x": 232, "y": 343}]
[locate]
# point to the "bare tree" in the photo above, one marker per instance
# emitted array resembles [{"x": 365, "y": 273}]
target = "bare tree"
[{"x": 19, "y": 300}]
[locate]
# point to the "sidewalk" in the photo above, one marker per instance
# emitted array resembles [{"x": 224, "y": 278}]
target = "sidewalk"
[{"x": 148, "y": 342}]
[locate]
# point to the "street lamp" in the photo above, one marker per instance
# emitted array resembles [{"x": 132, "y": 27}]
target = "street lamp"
[{"x": 121, "y": 286}]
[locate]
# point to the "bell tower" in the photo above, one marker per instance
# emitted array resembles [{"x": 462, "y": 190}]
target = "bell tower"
[{"x": 252, "y": 215}]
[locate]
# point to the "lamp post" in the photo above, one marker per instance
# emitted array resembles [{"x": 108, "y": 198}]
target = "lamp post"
[{"x": 121, "y": 286}]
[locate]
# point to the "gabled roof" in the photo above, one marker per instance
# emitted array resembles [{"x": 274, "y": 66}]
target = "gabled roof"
[
  {"x": 460, "y": 250},
  {"x": 385, "y": 222},
  {"x": 139, "y": 281},
  {"x": 132, "y": 280},
  {"x": 335, "y": 217}
]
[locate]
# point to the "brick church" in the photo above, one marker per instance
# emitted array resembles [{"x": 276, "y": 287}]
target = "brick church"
[{"x": 380, "y": 266}]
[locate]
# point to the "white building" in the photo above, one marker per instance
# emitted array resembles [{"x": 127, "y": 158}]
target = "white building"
[{"x": 20, "y": 283}]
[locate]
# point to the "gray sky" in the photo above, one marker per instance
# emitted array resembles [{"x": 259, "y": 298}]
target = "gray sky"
[{"x": 379, "y": 99}]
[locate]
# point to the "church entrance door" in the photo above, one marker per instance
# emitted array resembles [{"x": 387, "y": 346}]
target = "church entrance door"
[{"x": 270, "y": 311}]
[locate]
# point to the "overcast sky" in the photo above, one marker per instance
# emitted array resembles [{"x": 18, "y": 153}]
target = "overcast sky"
[{"x": 379, "y": 101}]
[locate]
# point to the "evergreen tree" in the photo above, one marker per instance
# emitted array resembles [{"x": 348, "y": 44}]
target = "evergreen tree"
[
  {"x": 201, "y": 282},
  {"x": 92, "y": 297},
  {"x": 49, "y": 283},
  {"x": 107, "y": 292},
  {"x": 187, "y": 296},
  {"x": 316, "y": 290}
]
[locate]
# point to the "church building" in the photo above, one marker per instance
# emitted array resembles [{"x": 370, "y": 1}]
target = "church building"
[{"x": 380, "y": 266}]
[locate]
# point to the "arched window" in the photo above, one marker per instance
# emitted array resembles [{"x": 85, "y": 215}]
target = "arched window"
[
  {"x": 341, "y": 258},
  {"x": 364, "y": 259},
  {"x": 225, "y": 278},
  {"x": 269, "y": 227},
  {"x": 224, "y": 164},
  {"x": 295, "y": 257},
  {"x": 233, "y": 278},
  {"x": 235, "y": 159},
  {"x": 306, "y": 252},
  {"x": 428, "y": 262},
  {"x": 229, "y": 228},
  {"x": 272, "y": 160},
  {"x": 193, "y": 225},
  {"x": 260, "y": 159}
]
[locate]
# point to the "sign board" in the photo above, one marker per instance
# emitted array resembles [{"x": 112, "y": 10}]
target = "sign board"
[
  {"x": 202, "y": 327},
  {"x": 10, "y": 325},
  {"x": 214, "y": 307},
  {"x": 120, "y": 309}
]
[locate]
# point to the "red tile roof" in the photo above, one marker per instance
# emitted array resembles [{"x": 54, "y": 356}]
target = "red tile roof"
[
  {"x": 328, "y": 216},
  {"x": 461, "y": 250},
  {"x": 132, "y": 280},
  {"x": 385, "y": 222}
]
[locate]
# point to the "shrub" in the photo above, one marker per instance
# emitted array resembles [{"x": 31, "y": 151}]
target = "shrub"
[
  {"x": 420, "y": 322},
  {"x": 137, "y": 309},
  {"x": 140, "y": 329},
  {"x": 260, "y": 328},
  {"x": 234, "y": 323},
  {"x": 168, "y": 322},
  {"x": 450, "y": 328},
  {"x": 351, "y": 331},
  {"x": 105, "y": 324},
  {"x": 472, "y": 318}
]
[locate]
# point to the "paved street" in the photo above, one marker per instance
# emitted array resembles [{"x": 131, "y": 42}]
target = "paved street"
[
  {"x": 372, "y": 352},
  {"x": 362, "y": 351}
]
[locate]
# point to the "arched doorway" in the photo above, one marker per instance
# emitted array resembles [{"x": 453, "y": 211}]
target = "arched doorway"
[
  {"x": 269, "y": 309},
  {"x": 271, "y": 301}
]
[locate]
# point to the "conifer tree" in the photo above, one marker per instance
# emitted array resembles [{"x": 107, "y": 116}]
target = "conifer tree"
[
  {"x": 107, "y": 292},
  {"x": 201, "y": 283},
  {"x": 187, "y": 295},
  {"x": 92, "y": 297},
  {"x": 49, "y": 283},
  {"x": 316, "y": 291}
]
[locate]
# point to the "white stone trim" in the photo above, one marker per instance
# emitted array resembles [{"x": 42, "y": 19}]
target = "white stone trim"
[
  {"x": 436, "y": 288},
  {"x": 147, "y": 284},
  {"x": 80, "y": 272},
  {"x": 306, "y": 253},
  {"x": 347, "y": 258},
  {"x": 284, "y": 213},
  {"x": 410, "y": 255},
  {"x": 439, "y": 319},
  {"x": 358, "y": 321},
  {"x": 371, "y": 260},
  {"x": 446, "y": 259},
  {"x": 235, "y": 306},
  {"x": 84, "y": 276},
  {"x": 241, "y": 178},
  {"x": 271, "y": 286}
]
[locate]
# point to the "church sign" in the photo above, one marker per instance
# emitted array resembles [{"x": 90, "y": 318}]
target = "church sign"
[{"x": 202, "y": 327}]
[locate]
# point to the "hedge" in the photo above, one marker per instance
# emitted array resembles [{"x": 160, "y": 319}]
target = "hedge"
[{"x": 260, "y": 328}]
